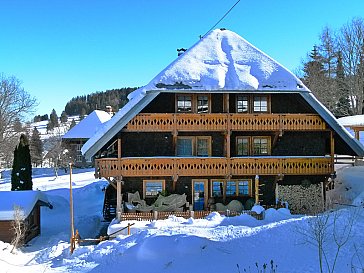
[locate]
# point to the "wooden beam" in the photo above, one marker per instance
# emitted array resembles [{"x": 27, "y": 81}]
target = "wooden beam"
[
  {"x": 118, "y": 197},
  {"x": 256, "y": 187},
  {"x": 110, "y": 182},
  {"x": 119, "y": 147}
]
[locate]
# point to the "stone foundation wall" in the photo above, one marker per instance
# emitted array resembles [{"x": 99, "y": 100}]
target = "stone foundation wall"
[{"x": 306, "y": 200}]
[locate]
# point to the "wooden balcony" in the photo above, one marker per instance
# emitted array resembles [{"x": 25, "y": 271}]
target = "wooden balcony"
[
  {"x": 224, "y": 122},
  {"x": 203, "y": 167}
]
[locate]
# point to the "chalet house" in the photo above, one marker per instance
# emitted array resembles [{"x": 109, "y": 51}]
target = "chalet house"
[
  {"x": 223, "y": 122},
  {"x": 85, "y": 129},
  {"x": 29, "y": 203}
]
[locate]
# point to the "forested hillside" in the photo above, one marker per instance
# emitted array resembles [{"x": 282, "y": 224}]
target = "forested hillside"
[{"x": 84, "y": 105}]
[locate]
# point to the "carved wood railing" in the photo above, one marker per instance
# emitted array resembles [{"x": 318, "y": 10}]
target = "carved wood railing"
[
  {"x": 223, "y": 122},
  {"x": 180, "y": 166}
]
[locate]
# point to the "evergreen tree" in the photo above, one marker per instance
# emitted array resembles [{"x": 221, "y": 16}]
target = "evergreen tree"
[
  {"x": 73, "y": 123},
  {"x": 343, "y": 104},
  {"x": 21, "y": 174},
  {"x": 64, "y": 117},
  {"x": 36, "y": 148},
  {"x": 54, "y": 118},
  {"x": 53, "y": 121}
]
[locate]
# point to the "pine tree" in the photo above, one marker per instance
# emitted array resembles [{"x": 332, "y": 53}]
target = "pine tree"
[
  {"x": 73, "y": 123},
  {"x": 64, "y": 117},
  {"x": 54, "y": 118},
  {"x": 21, "y": 174},
  {"x": 36, "y": 148}
]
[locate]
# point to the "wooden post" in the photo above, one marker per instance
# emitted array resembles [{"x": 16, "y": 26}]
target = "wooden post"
[
  {"x": 119, "y": 147},
  {"x": 128, "y": 228},
  {"x": 72, "y": 246},
  {"x": 332, "y": 151},
  {"x": 118, "y": 198},
  {"x": 257, "y": 189}
]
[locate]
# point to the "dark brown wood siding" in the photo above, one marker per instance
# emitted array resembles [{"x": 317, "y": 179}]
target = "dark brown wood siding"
[{"x": 163, "y": 103}]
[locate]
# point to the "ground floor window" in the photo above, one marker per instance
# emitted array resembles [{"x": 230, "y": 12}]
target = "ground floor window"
[
  {"x": 231, "y": 187},
  {"x": 151, "y": 188}
]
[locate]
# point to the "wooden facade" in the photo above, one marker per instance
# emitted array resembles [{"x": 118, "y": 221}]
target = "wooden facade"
[{"x": 298, "y": 146}]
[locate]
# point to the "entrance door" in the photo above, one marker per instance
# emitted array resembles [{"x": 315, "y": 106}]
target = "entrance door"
[{"x": 199, "y": 194}]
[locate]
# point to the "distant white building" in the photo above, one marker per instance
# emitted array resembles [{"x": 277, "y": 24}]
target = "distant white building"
[{"x": 84, "y": 130}]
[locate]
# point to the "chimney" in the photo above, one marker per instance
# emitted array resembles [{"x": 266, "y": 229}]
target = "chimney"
[{"x": 109, "y": 110}]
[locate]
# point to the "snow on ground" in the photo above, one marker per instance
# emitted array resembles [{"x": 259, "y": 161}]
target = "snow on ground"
[{"x": 214, "y": 244}]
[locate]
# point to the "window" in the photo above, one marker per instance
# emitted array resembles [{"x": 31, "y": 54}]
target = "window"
[
  {"x": 193, "y": 146},
  {"x": 184, "y": 103},
  {"x": 244, "y": 187},
  {"x": 151, "y": 188},
  {"x": 217, "y": 188},
  {"x": 253, "y": 145},
  {"x": 202, "y": 104},
  {"x": 236, "y": 187},
  {"x": 203, "y": 146},
  {"x": 193, "y": 103},
  {"x": 185, "y": 146},
  {"x": 260, "y": 104},
  {"x": 242, "y": 104},
  {"x": 252, "y": 104},
  {"x": 242, "y": 146},
  {"x": 261, "y": 145},
  {"x": 231, "y": 189}
]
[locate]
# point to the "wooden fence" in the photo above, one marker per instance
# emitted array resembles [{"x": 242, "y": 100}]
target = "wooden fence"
[{"x": 162, "y": 215}]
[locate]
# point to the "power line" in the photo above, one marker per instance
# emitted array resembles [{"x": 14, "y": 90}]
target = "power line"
[{"x": 221, "y": 19}]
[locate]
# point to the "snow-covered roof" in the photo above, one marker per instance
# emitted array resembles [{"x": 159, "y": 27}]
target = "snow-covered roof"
[
  {"x": 221, "y": 61},
  {"x": 87, "y": 127},
  {"x": 26, "y": 200},
  {"x": 357, "y": 120}
]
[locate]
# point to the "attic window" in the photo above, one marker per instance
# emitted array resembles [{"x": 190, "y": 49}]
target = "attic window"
[{"x": 184, "y": 103}]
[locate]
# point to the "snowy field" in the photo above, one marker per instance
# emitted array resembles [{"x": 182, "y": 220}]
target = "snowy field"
[{"x": 215, "y": 244}]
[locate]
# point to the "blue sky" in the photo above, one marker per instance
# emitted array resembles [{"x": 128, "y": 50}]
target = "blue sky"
[{"x": 60, "y": 49}]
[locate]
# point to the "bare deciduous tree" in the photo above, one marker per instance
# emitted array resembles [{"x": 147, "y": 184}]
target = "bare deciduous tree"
[
  {"x": 350, "y": 42},
  {"x": 15, "y": 103},
  {"x": 18, "y": 227},
  {"x": 329, "y": 232}
]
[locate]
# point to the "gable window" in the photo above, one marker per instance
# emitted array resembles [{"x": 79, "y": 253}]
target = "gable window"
[
  {"x": 151, "y": 188},
  {"x": 184, "y": 103},
  {"x": 193, "y": 146},
  {"x": 242, "y": 104},
  {"x": 260, "y": 104},
  {"x": 253, "y": 145},
  {"x": 202, "y": 104},
  {"x": 193, "y": 103},
  {"x": 252, "y": 103}
]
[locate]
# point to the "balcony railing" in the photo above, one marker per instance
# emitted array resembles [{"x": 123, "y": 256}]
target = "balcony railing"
[
  {"x": 223, "y": 122},
  {"x": 181, "y": 166}
]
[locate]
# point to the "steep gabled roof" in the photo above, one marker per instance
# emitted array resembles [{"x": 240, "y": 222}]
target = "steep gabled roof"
[
  {"x": 87, "y": 127},
  {"x": 222, "y": 61}
]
